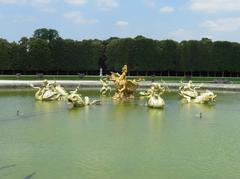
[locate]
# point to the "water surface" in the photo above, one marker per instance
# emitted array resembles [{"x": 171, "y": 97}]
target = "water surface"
[{"x": 118, "y": 140}]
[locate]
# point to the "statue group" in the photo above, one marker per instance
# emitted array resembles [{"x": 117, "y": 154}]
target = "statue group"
[
  {"x": 53, "y": 92},
  {"x": 124, "y": 90},
  {"x": 189, "y": 93}
]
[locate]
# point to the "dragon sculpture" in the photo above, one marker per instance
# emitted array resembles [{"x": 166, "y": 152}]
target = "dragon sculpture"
[
  {"x": 124, "y": 88},
  {"x": 76, "y": 100},
  {"x": 189, "y": 93}
]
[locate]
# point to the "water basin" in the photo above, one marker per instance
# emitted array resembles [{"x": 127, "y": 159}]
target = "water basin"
[{"x": 120, "y": 140}]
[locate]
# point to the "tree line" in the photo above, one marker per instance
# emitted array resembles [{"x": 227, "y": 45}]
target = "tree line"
[{"x": 47, "y": 52}]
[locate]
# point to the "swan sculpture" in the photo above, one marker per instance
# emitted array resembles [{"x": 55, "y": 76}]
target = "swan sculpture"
[
  {"x": 154, "y": 95},
  {"x": 205, "y": 98},
  {"x": 49, "y": 92},
  {"x": 189, "y": 93}
]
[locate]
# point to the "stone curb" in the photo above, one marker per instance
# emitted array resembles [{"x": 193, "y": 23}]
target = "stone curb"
[{"x": 20, "y": 84}]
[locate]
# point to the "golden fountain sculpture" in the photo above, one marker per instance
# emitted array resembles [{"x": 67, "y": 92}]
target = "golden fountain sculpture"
[
  {"x": 154, "y": 95},
  {"x": 124, "y": 88},
  {"x": 190, "y": 95}
]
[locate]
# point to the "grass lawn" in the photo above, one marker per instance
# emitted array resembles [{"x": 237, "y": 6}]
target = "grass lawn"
[{"x": 147, "y": 78}]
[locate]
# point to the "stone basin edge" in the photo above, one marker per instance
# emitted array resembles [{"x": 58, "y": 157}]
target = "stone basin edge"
[{"x": 25, "y": 84}]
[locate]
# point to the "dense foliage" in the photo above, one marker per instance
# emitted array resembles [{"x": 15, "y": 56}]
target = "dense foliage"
[{"x": 47, "y": 52}]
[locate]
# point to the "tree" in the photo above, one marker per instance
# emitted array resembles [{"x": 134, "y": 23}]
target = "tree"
[
  {"x": 169, "y": 55},
  {"x": 46, "y": 34},
  {"x": 39, "y": 55},
  {"x": 22, "y": 61},
  {"x": 5, "y": 49}
]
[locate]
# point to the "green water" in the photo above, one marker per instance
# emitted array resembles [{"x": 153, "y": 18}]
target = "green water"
[{"x": 118, "y": 140}]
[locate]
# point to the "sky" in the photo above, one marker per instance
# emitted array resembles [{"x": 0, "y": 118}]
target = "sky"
[{"x": 101, "y": 19}]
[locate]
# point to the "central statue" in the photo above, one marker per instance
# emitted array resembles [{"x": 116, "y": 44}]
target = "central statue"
[{"x": 124, "y": 88}]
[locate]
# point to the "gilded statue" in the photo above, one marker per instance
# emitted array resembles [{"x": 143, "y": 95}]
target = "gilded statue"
[
  {"x": 188, "y": 90},
  {"x": 191, "y": 95},
  {"x": 156, "y": 88},
  {"x": 124, "y": 88},
  {"x": 205, "y": 97},
  {"x": 154, "y": 95}
]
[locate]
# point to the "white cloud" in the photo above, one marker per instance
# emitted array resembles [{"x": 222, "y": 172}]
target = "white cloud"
[
  {"x": 223, "y": 25},
  {"x": 178, "y": 33},
  {"x": 215, "y": 5},
  {"x": 107, "y": 4},
  {"x": 41, "y": 1},
  {"x": 121, "y": 24},
  {"x": 44, "y": 5},
  {"x": 167, "y": 9},
  {"x": 182, "y": 34},
  {"x": 78, "y": 18},
  {"x": 150, "y": 3},
  {"x": 25, "y": 1},
  {"x": 10, "y": 1},
  {"x": 78, "y": 2}
]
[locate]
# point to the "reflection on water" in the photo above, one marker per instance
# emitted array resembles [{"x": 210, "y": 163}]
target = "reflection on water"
[
  {"x": 156, "y": 114},
  {"x": 198, "y": 107},
  {"x": 119, "y": 139},
  {"x": 7, "y": 166},
  {"x": 79, "y": 113},
  {"x": 156, "y": 119},
  {"x": 49, "y": 107}
]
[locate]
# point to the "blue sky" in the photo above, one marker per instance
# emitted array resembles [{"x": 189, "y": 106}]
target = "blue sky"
[{"x": 90, "y": 19}]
